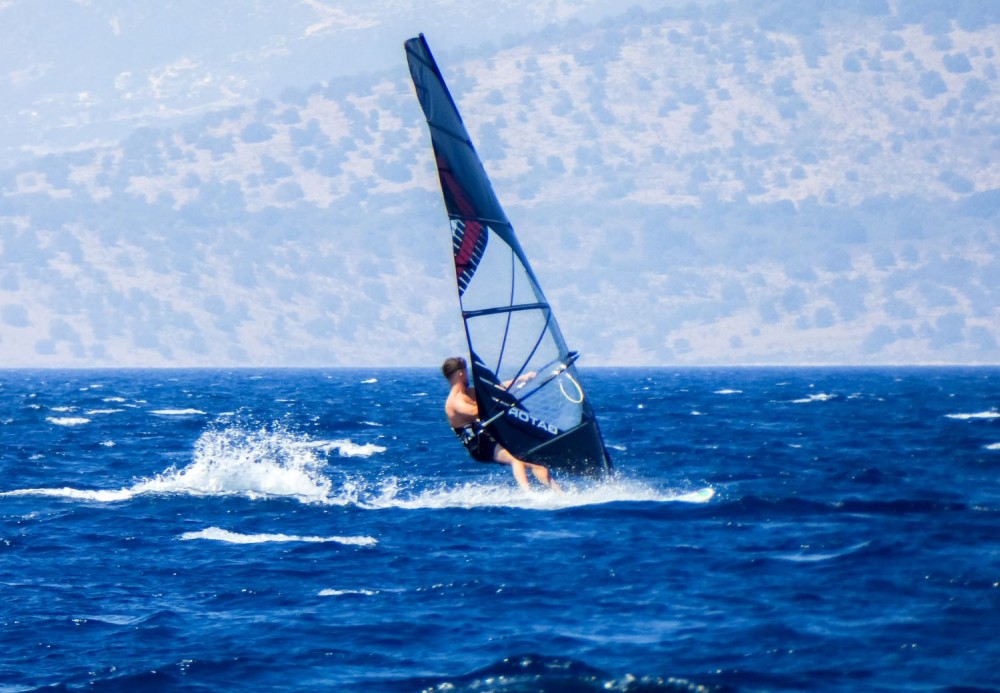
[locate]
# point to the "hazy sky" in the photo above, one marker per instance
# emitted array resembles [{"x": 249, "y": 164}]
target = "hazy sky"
[
  {"x": 237, "y": 183},
  {"x": 81, "y": 71}
]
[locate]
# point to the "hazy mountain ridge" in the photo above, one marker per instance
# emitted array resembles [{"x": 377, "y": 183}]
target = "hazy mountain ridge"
[{"x": 822, "y": 193}]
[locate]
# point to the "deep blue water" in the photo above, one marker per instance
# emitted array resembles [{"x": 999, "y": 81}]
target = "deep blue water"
[{"x": 294, "y": 530}]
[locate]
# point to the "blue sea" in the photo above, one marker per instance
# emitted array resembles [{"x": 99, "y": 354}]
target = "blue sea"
[{"x": 766, "y": 530}]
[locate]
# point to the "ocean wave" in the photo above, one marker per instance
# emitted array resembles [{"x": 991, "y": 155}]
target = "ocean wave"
[
  {"x": 111, "y": 619},
  {"x": 805, "y": 556},
  {"x": 263, "y": 462},
  {"x": 993, "y": 446},
  {"x": 177, "y": 412},
  {"x": 797, "y": 506},
  {"x": 729, "y": 392},
  {"x": 98, "y": 495},
  {"x": 224, "y": 535},
  {"x": 92, "y": 412},
  {"x": 992, "y": 414},
  {"x": 341, "y": 593},
  {"x": 394, "y": 494},
  {"x": 270, "y": 461},
  {"x": 533, "y": 672},
  {"x": 819, "y": 397},
  {"x": 67, "y": 420},
  {"x": 241, "y": 460},
  {"x": 347, "y": 448}
]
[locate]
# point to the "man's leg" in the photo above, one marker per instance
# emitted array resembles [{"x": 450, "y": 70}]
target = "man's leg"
[
  {"x": 516, "y": 466},
  {"x": 542, "y": 474}
]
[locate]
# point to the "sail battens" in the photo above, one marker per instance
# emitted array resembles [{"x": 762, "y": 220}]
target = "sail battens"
[
  {"x": 504, "y": 309},
  {"x": 527, "y": 388},
  {"x": 482, "y": 220}
]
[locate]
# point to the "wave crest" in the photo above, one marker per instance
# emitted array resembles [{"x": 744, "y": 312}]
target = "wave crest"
[
  {"x": 991, "y": 414},
  {"x": 263, "y": 462},
  {"x": 241, "y": 460},
  {"x": 67, "y": 420},
  {"x": 224, "y": 535},
  {"x": 394, "y": 493}
]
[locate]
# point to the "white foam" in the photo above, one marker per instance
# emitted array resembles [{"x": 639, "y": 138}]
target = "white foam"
[
  {"x": 702, "y": 495},
  {"x": 821, "y": 397},
  {"x": 92, "y": 412},
  {"x": 255, "y": 463},
  {"x": 340, "y": 593},
  {"x": 101, "y": 496},
  {"x": 63, "y": 410},
  {"x": 117, "y": 400},
  {"x": 113, "y": 619},
  {"x": 806, "y": 557},
  {"x": 370, "y": 381},
  {"x": 993, "y": 446},
  {"x": 392, "y": 494},
  {"x": 67, "y": 420},
  {"x": 224, "y": 535},
  {"x": 177, "y": 412},
  {"x": 262, "y": 462},
  {"x": 729, "y": 392},
  {"x": 346, "y": 448},
  {"x": 992, "y": 414}
]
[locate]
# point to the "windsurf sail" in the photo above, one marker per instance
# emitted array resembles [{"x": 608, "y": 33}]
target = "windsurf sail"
[{"x": 526, "y": 382}]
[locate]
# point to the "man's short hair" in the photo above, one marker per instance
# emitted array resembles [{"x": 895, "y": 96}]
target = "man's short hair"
[{"x": 453, "y": 365}]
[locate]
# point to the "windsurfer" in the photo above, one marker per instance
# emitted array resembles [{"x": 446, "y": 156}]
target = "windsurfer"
[{"x": 463, "y": 415}]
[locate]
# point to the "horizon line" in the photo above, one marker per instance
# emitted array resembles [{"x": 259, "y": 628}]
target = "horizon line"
[{"x": 928, "y": 364}]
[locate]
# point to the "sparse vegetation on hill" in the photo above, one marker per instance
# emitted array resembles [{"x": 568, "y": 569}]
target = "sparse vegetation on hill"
[{"x": 718, "y": 185}]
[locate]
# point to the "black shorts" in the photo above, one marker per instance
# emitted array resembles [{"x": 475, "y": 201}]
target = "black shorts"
[{"x": 478, "y": 442}]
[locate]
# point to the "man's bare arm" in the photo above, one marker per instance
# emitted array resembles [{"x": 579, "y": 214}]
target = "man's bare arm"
[
  {"x": 520, "y": 380},
  {"x": 463, "y": 404}
]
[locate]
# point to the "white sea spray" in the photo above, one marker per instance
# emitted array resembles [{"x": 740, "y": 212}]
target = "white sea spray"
[
  {"x": 67, "y": 420},
  {"x": 393, "y": 492},
  {"x": 227, "y": 536},
  {"x": 177, "y": 412},
  {"x": 991, "y": 414},
  {"x": 243, "y": 458}
]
